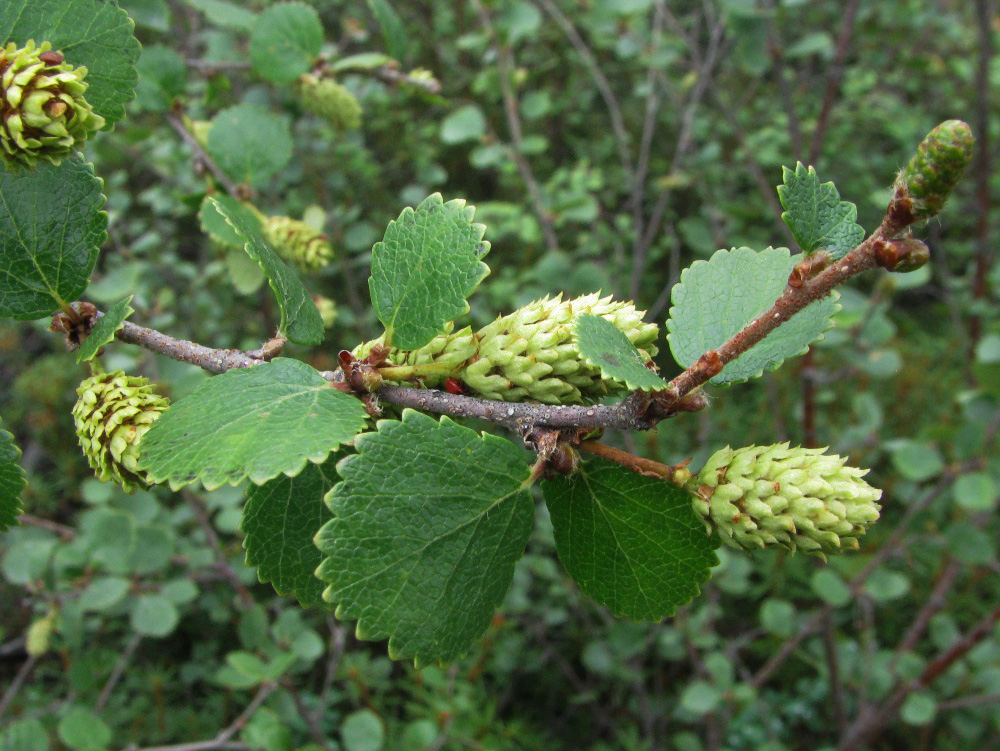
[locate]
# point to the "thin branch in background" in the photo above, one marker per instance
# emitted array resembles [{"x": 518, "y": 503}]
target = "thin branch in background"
[
  {"x": 224, "y": 739},
  {"x": 600, "y": 80},
  {"x": 15, "y": 685},
  {"x": 870, "y": 724},
  {"x": 834, "y": 77},
  {"x": 221, "y": 561},
  {"x": 118, "y": 671},
  {"x": 512, "y": 112},
  {"x": 66, "y": 533},
  {"x": 334, "y": 653},
  {"x": 833, "y": 668},
  {"x": 936, "y": 601},
  {"x": 776, "y": 49},
  {"x": 202, "y": 156}
]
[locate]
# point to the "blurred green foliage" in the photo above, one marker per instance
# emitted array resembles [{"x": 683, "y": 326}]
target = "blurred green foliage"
[{"x": 161, "y": 635}]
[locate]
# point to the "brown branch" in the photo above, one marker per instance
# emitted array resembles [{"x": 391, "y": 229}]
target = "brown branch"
[
  {"x": 868, "y": 726},
  {"x": 118, "y": 671},
  {"x": 207, "y": 358},
  {"x": 631, "y": 461},
  {"x": 66, "y": 533},
  {"x": 15, "y": 685},
  {"x": 221, "y": 561}
]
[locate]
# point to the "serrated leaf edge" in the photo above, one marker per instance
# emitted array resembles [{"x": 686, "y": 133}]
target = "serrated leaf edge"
[
  {"x": 129, "y": 310},
  {"x": 802, "y": 171},
  {"x": 604, "y": 374},
  {"x": 18, "y": 502}
]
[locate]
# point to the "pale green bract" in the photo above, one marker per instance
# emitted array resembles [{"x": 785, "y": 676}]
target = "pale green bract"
[
  {"x": 104, "y": 330},
  {"x": 717, "y": 298},
  {"x": 428, "y": 523},
  {"x": 280, "y": 519},
  {"x": 605, "y": 346},
  {"x": 814, "y": 213},
  {"x": 631, "y": 542},
  {"x": 250, "y": 423},
  {"x": 425, "y": 268},
  {"x": 300, "y": 321},
  {"x": 90, "y": 33},
  {"x": 51, "y": 227}
]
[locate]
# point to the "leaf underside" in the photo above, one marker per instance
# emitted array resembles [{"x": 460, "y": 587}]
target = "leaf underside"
[
  {"x": 94, "y": 34},
  {"x": 280, "y": 519},
  {"x": 250, "y": 423},
  {"x": 817, "y": 217},
  {"x": 633, "y": 543},
  {"x": 717, "y": 298},
  {"x": 424, "y": 269},
  {"x": 300, "y": 321},
  {"x": 51, "y": 227},
  {"x": 605, "y": 346},
  {"x": 428, "y": 522}
]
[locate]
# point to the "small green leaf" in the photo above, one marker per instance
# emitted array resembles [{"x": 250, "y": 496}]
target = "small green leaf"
[
  {"x": 104, "y": 330},
  {"x": 975, "y": 491},
  {"x": 717, "y": 298},
  {"x": 700, "y": 697},
  {"x": 817, "y": 217},
  {"x": 429, "y": 262},
  {"x": 162, "y": 78},
  {"x": 393, "y": 31},
  {"x": 91, "y": 33},
  {"x": 82, "y": 730},
  {"x": 884, "y": 585},
  {"x": 103, "y": 593},
  {"x": 300, "y": 321},
  {"x": 154, "y": 615},
  {"x": 918, "y": 709},
  {"x": 249, "y": 143},
  {"x": 285, "y": 41},
  {"x": 254, "y": 423},
  {"x": 778, "y": 617},
  {"x": 633, "y": 543},
  {"x": 12, "y": 481},
  {"x": 830, "y": 587},
  {"x": 427, "y": 564},
  {"x": 605, "y": 346},
  {"x": 225, "y": 14},
  {"x": 917, "y": 461},
  {"x": 51, "y": 227},
  {"x": 464, "y": 124},
  {"x": 24, "y": 735},
  {"x": 247, "y": 664},
  {"x": 280, "y": 519},
  {"x": 362, "y": 731},
  {"x": 153, "y": 14}
]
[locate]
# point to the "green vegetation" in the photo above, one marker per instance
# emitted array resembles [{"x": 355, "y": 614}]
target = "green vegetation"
[{"x": 407, "y": 345}]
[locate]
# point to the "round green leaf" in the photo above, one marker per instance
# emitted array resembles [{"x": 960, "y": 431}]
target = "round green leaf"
[
  {"x": 225, "y": 14},
  {"x": 700, "y": 697},
  {"x": 103, "y": 593},
  {"x": 917, "y": 461},
  {"x": 162, "y": 78},
  {"x": 778, "y": 617},
  {"x": 362, "y": 731},
  {"x": 51, "y": 227},
  {"x": 254, "y": 423},
  {"x": 285, "y": 41},
  {"x": 975, "y": 491},
  {"x": 918, "y": 709},
  {"x": 427, "y": 565},
  {"x": 82, "y": 730},
  {"x": 830, "y": 587},
  {"x": 249, "y": 143},
  {"x": 464, "y": 124},
  {"x": 154, "y": 615},
  {"x": 885, "y": 585},
  {"x": 717, "y": 298},
  {"x": 91, "y": 33},
  {"x": 633, "y": 543}
]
